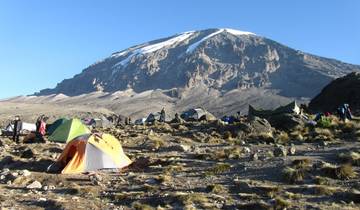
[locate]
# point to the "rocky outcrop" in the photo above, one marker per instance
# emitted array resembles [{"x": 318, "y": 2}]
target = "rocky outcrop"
[{"x": 342, "y": 90}]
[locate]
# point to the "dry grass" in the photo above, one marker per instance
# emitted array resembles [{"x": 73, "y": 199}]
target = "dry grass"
[
  {"x": 321, "y": 180},
  {"x": 173, "y": 169},
  {"x": 292, "y": 175},
  {"x": 324, "y": 190},
  {"x": 196, "y": 198},
  {"x": 302, "y": 163},
  {"x": 281, "y": 203},
  {"x": 227, "y": 135},
  {"x": 262, "y": 137},
  {"x": 282, "y": 138},
  {"x": 218, "y": 169},
  {"x": 164, "y": 178},
  {"x": 216, "y": 188},
  {"x": 140, "y": 206},
  {"x": 350, "y": 157},
  {"x": 155, "y": 142},
  {"x": 338, "y": 172},
  {"x": 260, "y": 205}
]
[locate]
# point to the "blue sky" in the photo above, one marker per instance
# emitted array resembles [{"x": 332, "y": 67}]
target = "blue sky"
[{"x": 44, "y": 42}]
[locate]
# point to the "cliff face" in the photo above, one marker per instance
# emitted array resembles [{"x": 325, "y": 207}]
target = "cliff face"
[{"x": 219, "y": 59}]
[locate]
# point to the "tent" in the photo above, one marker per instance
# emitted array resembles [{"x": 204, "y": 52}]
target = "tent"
[
  {"x": 140, "y": 121},
  {"x": 92, "y": 152},
  {"x": 291, "y": 108},
  {"x": 52, "y": 127},
  {"x": 102, "y": 122},
  {"x": 69, "y": 130},
  {"x": 25, "y": 128},
  {"x": 197, "y": 114}
]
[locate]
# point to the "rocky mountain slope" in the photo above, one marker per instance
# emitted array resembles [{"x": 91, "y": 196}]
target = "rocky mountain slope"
[
  {"x": 222, "y": 70},
  {"x": 220, "y": 59},
  {"x": 342, "y": 90}
]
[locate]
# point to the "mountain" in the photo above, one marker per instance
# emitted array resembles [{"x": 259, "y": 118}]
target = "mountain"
[
  {"x": 342, "y": 90},
  {"x": 222, "y": 70},
  {"x": 221, "y": 59}
]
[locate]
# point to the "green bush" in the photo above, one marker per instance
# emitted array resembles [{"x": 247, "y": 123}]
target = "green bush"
[{"x": 324, "y": 122}]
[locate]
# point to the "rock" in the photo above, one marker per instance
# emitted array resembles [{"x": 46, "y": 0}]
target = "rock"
[
  {"x": 242, "y": 142},
  {"x": 324, "y": 143},
  {"x": 246, "y": 150},
  {"x": 45, "y": 188},
  {"x": 96, "y": 179},
  {"x": 14, "y": 174},
  {"x": 5, "y": 171},
  {"x": 42, "y": 199},
  {"x": 292, "y": 150},
  {"x": 2, "y": 177},
  {"x": 27, "y": 153},
  {"x": 280, "y": 152},
  {"x": 286, "y": 121},
  {"x": 34, "y": 185},
  {"x": 254, "y": 157},
  {"x": 25, "y": 173},
  {"x": 259, "y": 125},
  {"x": 181, "y": 148},
  {"x": 151, "y": 181}
]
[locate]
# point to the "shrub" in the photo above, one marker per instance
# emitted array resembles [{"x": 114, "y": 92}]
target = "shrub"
[{"x": 324, "y": 122}]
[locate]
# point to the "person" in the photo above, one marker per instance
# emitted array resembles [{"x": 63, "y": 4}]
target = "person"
[
  {"x": 348, "y": 112},
  {"x": 38, "y": 122},
  {"x": 130, "y": 122},
  {"x": 42, "y": 129},
  {"x": 17, "y": 129},
  {"x": 162, "y": 115},
  {"x": 344, "y": 112}
]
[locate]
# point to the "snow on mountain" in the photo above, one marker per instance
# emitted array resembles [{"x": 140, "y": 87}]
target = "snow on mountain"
[
  {"x": 221, "y": 59},
  {"x": 154, "y": 47},
  {"x": 237, "y": 32},
  {"x": 196, "y": 44}
]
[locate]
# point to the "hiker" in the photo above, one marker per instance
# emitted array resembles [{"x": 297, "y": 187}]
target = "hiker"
[
  {"x": 177, "y": 119},
  {"x": 130, "y": 121},
  {"x": 177, "y": 116},
  {"x": 17, "y": 129},
  {"x": 41, "y": 128},
  {"x": 38, "y": 122},
  {"x": 238, "y": 115},
  {"x": 344, "y": 112},
  {"x": 162, "y": 115}
]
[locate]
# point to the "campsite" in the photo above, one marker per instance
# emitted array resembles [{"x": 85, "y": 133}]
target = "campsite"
[
  {"x": 251, "y": 163},
  {"x": 179, "y": 105}
]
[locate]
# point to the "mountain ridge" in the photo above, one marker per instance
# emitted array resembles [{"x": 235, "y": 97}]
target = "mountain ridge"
[{"x": 223, "y": 59}]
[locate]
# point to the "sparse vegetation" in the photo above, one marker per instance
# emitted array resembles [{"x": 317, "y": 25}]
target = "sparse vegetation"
[
  {"x": 216, "y": 188},
  {"x": 140, "y": 206},
  {"x": 338, "y": 172},
  {"x": 351, "y": 157},
  {"x": 292, "y": 175},
  {"x": 218, "y": 169}
]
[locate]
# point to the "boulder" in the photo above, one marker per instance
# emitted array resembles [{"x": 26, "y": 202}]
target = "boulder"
[
  {"x": 286, "y": 121},
  {"x": 181, "y": 148},
  {"x": 259, "y": 125},
  {"x": 27, "y": 153},
  {"x": 34, "y": 185}
]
